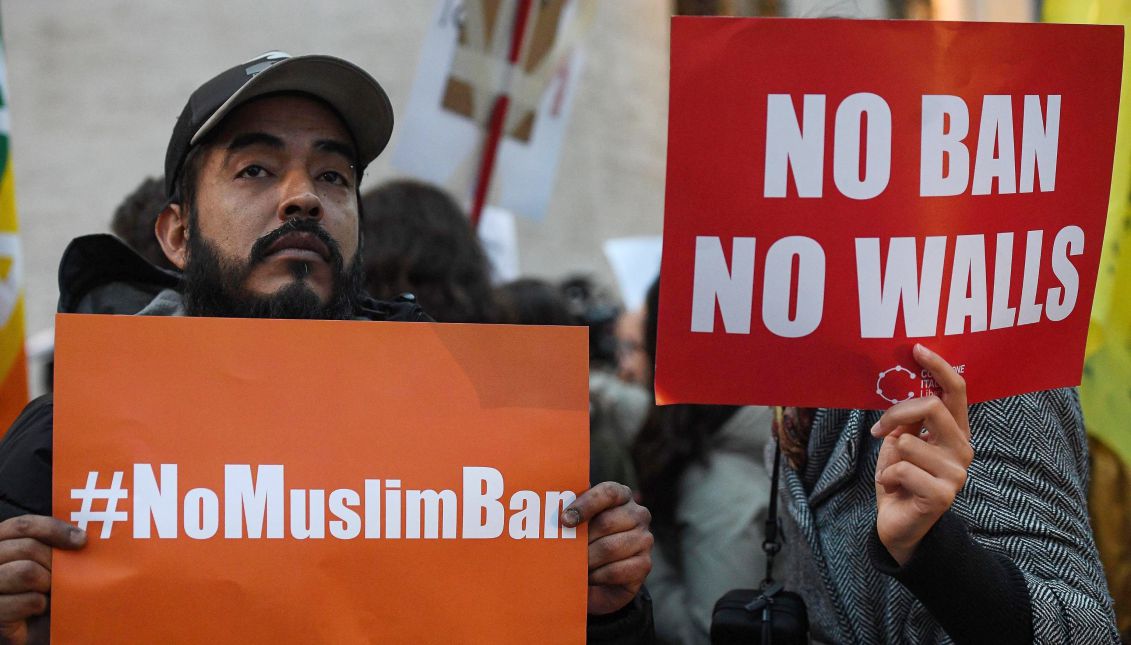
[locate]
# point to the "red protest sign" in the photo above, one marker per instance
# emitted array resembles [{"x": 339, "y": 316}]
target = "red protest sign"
[{"x": 840, "y": 190}]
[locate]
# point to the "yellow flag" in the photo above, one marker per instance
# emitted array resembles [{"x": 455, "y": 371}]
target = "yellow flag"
[
  {"x": 13, "y": 362},
  {"x": 1106, "y": 388}
]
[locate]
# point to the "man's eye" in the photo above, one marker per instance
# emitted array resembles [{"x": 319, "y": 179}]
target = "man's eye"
[
  {"x": 253, "y": 171},
  {"x": 335, "y": 177}
]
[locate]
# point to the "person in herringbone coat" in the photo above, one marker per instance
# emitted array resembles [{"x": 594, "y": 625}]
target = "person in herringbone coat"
[{"x": 1004, "y": 551}]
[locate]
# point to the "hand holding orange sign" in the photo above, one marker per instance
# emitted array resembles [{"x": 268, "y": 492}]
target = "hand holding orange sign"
[
  {"x": 25, "y": 570},
  {"x": 620, "y": 544},
  {"x": 307, "y": 491}
]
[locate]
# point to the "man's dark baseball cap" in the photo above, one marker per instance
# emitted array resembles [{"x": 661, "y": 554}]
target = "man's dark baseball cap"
[{"x": 355, "y": 96}]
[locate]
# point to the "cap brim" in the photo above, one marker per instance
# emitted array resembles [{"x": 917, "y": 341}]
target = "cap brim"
[{"x": 354, "y": 94}]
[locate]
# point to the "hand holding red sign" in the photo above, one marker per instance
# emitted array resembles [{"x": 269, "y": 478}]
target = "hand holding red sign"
[
  {"x": 620, "y": 544},
  {"x": 923, "y": 461}
]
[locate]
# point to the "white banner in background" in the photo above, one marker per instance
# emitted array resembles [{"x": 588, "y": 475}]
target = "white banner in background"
[{"x": 457, "y": 79}]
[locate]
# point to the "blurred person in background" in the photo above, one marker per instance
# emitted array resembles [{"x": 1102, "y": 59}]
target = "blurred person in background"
[
  {"x": 616, "y": 408},
  {"x": 529, "y": 301},
  {"x": 1109, "y": 503},
  {"x": 418, "y": 240},
  {"x": 633, "y": 362},
  {"x": 136, "y": 216},
  {"x": 598, "y": 310},
  {"x": 702, "y": 473}
]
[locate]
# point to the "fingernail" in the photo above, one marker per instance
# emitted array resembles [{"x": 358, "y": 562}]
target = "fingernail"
[
  {"x": 875, "y": 429},
  {"x": 77, "y": 537},
  {"x": 922, "y": 349},
  {"x": 571, "y": 518}
]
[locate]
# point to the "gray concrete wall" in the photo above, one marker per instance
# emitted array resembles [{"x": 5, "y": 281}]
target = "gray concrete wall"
[{"x": 96, "y": 87}]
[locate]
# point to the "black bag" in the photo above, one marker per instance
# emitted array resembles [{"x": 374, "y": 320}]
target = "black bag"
[
  {"x": 748, "y": 616},
  {"x": 767, "y": 615}
]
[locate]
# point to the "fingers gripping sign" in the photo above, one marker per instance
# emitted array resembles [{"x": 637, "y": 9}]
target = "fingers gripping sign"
[
  {"x": 25, "y": 569},
  {"x": 620, "y": 544},
  {"x": 923, "y": 460}
]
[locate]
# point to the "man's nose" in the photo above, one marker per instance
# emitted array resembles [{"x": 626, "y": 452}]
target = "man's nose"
[{"x": 299, "y": 199}]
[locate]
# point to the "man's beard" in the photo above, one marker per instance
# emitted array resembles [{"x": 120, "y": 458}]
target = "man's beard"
[{"x": 214, "y": 286}]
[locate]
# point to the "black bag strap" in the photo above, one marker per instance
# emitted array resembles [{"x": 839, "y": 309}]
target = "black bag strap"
[{"x": 771, "y": 544}]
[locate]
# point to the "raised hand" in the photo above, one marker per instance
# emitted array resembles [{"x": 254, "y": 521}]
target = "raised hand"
[{"x": 923, "y": 460}]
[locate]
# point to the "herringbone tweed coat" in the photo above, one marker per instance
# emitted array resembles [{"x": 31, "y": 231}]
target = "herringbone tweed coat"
[{"x": 1024, "y": 499}]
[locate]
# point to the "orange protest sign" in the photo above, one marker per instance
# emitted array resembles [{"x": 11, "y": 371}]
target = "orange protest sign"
[{"x": 262, "y": 481}]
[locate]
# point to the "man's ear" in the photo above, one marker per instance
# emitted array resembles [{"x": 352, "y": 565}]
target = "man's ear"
[{"x": 172, "y": 232}]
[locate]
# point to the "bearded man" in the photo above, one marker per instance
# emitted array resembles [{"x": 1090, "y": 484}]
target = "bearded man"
[{"x": 262, "y": 175}]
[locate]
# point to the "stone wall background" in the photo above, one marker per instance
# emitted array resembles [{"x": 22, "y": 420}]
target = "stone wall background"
[{"x": 96, "y": 87}]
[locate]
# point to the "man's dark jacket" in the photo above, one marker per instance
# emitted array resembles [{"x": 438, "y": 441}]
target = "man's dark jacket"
[{"x": 101, "y": 275}]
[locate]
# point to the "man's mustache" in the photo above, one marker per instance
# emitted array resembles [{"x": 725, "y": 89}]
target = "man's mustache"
[{"x": 261, "y": 249}]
